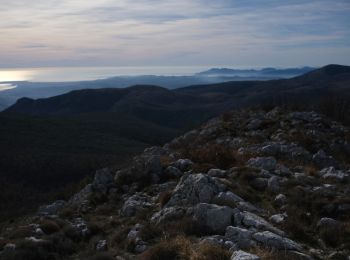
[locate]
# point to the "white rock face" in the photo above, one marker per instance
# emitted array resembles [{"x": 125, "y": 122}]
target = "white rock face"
[
  {"x": 193, "y": 189},
  {"x": 212, "y": 216}
]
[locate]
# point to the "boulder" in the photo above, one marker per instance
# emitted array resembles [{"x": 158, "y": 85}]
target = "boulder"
[
  {"x": 332, "y": 173},
  {"x": 322, "y": 160},
  {"x": 173, "y": 172},
  {"x": 101, "y": 245},
  {"x": 280, "y": 200},
  {"x": 259, "y": 183},
  {"x": 134, "y": 233},
  {"x": 269, "y": 239},
  {"x": 228, "y": 197},
  {"x": 82, "y": 196},
  {"x": 215, "y": 240},
  {"x": 266, "y": 163},
  {"x": 193, "y": 189},
  {"x": 241, "y": 255},
  {"x": 103, "y": 181},
  {"x": 247, "y": 206},
  {"x": 183, "y": 164},
  {"x": 217, "y": 173},
  {"x": 328, "y": 223},
  {"x": 254, "y": 124},
  {"x": 273, "y": 184},
  {"x": 249, "y": 219},
  {"x": 278, "y": 218},
  {"x": 213, "y": 217},
  {"x": 240, "y": 236},
  {"x": 146, "y": 166},
  {"x": 271, "y": 149},
  {"x": 135, "y": 204},
  {"x": 80, "y": 227},
  {"x": 167, "y": 214}
]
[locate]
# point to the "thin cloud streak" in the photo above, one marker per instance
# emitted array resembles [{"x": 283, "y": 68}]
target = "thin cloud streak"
[{"x": 169, "y": 32}]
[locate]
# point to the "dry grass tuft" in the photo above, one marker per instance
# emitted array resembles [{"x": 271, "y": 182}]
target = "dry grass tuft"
[
  {"x": 175, "y": 249},
  {"x": 206, "y": 251}
]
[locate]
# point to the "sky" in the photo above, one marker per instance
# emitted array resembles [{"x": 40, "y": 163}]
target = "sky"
[{"x": 235, "y": 33}]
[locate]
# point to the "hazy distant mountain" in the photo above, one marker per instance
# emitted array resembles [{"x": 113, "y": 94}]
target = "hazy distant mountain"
[
  {"x": 49, "y": 89},
  {"x": 268, "y": 73}
]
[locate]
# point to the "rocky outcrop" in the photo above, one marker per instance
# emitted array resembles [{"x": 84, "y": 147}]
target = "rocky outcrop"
[{"x": 246, "y": 182}]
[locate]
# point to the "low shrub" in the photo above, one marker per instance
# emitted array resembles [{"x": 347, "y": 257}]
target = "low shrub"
[{"x": 49, "y": 226}]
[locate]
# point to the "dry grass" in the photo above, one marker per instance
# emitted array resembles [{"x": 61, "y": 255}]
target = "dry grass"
[
  {"x": 21, "y": 232},
  {"x": 174, "y": 249},
  {"x": 164, "y": 197},
  {"x": 206, "y": 251},
  {"x": 219, "y": 155}
]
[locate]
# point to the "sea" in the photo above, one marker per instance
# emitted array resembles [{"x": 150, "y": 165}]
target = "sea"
[{"x": 66, "y": 74}]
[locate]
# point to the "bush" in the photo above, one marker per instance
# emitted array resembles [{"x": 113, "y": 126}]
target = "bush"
[{"x": 49, "y": 226}]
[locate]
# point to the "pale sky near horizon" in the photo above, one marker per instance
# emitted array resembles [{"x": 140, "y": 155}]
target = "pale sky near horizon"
[{"x": 240, "y": 33}]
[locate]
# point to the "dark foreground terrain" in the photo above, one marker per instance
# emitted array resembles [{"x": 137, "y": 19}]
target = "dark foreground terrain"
[{"x": 253, "y": 184}]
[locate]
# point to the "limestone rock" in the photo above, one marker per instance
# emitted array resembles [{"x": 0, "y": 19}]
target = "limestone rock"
[
  {"x": 269, "y": 239},
  {"x": 251, "y": 220},
  {"x": 241, "y": 255},
  {"x": 52, "y": 209},
  {"x": 193, "y": 189},
  {"x": 183, "y": 164},
  {"x": 167, "y": 214},
  {"x": 101, "y": 245},
  {"x": 214, "y": 217},
  {"x": 266, "y": 163},
  {"x": 103, "y": 181},
  {"x": 135, "y": 204},
  {"x": 240, "y": 236}
]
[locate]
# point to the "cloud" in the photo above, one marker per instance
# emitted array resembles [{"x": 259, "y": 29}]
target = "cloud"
[{"x": 173, "y": 32}]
